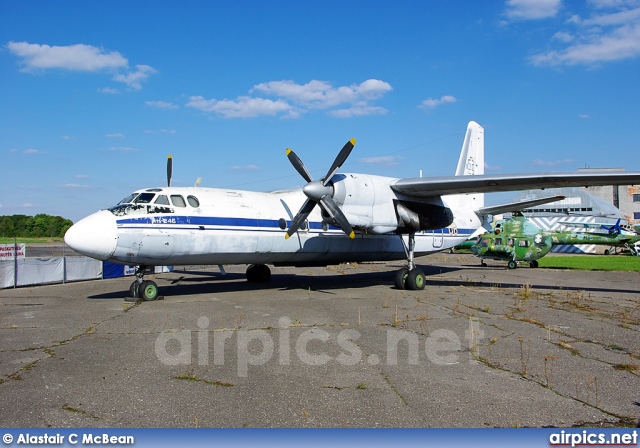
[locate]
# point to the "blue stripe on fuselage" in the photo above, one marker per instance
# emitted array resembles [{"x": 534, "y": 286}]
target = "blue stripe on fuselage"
[{"x": 175, "y": 221}]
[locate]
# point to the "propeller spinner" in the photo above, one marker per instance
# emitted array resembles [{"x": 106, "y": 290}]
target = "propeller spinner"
[{"x": 319, "y": 192}]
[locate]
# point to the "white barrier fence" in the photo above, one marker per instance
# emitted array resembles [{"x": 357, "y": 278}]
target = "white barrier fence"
[
  {"x": 38, "y": 271},
  {"x": 46, "y": 270}
]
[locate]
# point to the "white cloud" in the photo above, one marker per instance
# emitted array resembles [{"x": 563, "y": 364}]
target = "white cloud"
[
  {"x": 358, "y": 111},
  {"x": 242, "y": 107},
  {"x": 382, "y": 160},
  {"x": 611, "y": 33},
  {"x": 108, "y": 91},
  {"x": 82, "y": 58},
  {"x": 134, "y": 79},
  {"x": 431, "y": 103},
  {"x": 75, "y": 186},
  {"x": 123, "y": 148},
  {"x": 293, "y": 100},
  {"x": 77, "y": 57},
  {"x": 539, "y": 162},
  {"x": 161, "y": 105},
  {"x": 488, "y": 167},
  {"x": 81, "y": 176},
  {"x": 116, "y": 135},
  {"x": 532, "y": 9},
  {"x": 32, "y": 151},
  {"x": 321, "y": 95},
  {"x": 584, "y": 116},
  {"x": 160, "y": 131},
  {"x": 244, "y": 168}
]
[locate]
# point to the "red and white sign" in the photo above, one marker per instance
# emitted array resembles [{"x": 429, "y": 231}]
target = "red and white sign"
[{"x": 8, "y": 251}]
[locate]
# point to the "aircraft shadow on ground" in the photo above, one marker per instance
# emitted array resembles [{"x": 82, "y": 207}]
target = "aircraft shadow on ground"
[{"x": 202, "y": 282}]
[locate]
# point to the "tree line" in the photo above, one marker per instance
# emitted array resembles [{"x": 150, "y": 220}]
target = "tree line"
[{"x": 38, "y": 226}]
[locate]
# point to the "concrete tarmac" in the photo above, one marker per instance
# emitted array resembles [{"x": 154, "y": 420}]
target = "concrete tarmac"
[{"x": 327, "y": 347}]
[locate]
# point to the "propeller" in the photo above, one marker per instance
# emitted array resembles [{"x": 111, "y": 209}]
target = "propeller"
[
  {"x": 319, "y": 192},
  {"x": 169, "y": 169}
]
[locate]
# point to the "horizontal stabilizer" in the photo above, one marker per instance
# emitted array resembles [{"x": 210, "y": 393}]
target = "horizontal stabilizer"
[
  {"x": 423, "y": 187},
  {"x": 516, "y": 206}
]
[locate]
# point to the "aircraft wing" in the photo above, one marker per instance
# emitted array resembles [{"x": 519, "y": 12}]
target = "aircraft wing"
[
  {"x": 424, "y": 187},
  {"x": 516, "y": 206}
]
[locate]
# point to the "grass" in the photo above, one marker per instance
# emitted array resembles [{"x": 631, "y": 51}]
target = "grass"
[
  {"x": 6, "y": 240},
  {"x": 592, "y": 262}
]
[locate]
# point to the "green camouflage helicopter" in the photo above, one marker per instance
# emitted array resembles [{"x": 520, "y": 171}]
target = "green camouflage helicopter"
[{"x": 517, "y": 240}]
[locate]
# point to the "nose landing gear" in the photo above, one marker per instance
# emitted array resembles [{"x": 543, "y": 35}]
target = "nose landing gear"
[{"x": 143, "y": 289}]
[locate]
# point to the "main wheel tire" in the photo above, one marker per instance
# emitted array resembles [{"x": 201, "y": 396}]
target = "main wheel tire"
[
  {"x": 483, "y": 264},
  {"x": 148, "y": 290},
  {"x": 607, "y": 251},
  {"x": 401, "y": 278},
  {"x": 258, "y": 273},
  {"x": 512, "y": 264},
  {"x": 533, "y": 263},
  {"x": 416, "y": 280}
]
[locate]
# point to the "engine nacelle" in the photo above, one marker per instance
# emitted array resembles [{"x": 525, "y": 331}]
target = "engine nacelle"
[{"x": 369, "y": 204}]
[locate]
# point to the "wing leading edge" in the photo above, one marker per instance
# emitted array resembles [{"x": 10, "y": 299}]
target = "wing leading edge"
[{"x": 422, "y": 187}]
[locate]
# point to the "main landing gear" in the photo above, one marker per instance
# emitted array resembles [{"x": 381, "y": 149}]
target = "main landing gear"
[
  {"x": 143, "y": 289},
  {"x": 411, "y": 277},
  {"x": 258, "y": 273}
]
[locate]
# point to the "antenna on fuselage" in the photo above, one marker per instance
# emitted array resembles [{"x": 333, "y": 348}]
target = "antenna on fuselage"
[
  {"x": 169, "y": 169},
  {"x": 198, "y": 180}
]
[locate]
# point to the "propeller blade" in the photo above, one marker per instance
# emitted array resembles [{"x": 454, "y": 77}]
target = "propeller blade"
[
  {"x": 169, "y": 170},
  {"x": 334, "y": 211},
  {"x": 340, "y": 159},
  {"x": 298, "y": 165},
  {"x": 299, "y": 219}
]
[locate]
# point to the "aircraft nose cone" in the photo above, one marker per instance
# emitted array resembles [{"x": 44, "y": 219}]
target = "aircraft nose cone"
[{"x": 94, "y": 236}]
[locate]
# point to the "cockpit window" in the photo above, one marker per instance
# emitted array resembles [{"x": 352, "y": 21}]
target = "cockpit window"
[
  {"x": 193, "y": 201},
  {"x": 145, "y": 198},
  {"x": 162, "y": 200},
  {"x": 129, "y": 199},
  {"x": 177, "y": 200}
]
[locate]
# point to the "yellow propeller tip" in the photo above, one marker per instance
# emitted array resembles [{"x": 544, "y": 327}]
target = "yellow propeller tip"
[
  {"x": 352, "y": 235},
  {"x": 169, "y": 155},
  {"x": 288, "y": 151},
  {"x": 353, "y": 141},
  {"x": 286, "y": 236}
]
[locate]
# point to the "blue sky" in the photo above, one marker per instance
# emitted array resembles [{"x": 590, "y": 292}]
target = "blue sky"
[{"x": 95, "y": 95}]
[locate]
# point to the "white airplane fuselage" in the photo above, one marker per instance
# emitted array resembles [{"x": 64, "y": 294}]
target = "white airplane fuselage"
[{"x": 222, "y": 226}]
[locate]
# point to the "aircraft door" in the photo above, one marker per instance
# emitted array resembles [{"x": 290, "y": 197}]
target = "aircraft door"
[
  {"x": 156, "y": 246},
  {"x": 438, "y": 238}
]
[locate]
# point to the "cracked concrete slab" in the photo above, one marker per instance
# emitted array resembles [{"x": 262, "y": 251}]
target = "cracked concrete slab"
[{"x": 327, "y": 347}]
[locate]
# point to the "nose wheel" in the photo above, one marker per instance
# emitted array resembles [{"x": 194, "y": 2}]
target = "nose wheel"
[
  {"x": 146, "y": 290},
  {"x": 411, "y": 277}
]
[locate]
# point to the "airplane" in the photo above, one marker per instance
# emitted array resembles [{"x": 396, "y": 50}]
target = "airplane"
[
  {"x": 618, "y": 230},
  {"x": 517, "y": 240},
  {"x": 342, "y": 217}
]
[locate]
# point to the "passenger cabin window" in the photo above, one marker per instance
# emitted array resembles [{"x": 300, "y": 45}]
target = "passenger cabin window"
[
  {"x": 178, "y": 201},
  {"x": 523, "y": 243},
  {"x": 193, "y": 201},
  {"x": 162, "y": 200}
]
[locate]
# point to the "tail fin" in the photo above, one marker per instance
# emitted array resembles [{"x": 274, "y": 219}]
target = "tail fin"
[
  {"x": 472, "y": 155},
  {"x": 471, "y": 163}
]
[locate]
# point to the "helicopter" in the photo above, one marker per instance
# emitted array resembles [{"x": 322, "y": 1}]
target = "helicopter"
[{"x": 516, "y": 240}]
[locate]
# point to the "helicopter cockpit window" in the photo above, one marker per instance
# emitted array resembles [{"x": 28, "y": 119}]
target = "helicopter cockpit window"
[
  {"x": 523, "y": 243},
  {"x": 178, "y": 201},
  {"x": 193, "y": 201},
  {"x": 162, "y": 200}
]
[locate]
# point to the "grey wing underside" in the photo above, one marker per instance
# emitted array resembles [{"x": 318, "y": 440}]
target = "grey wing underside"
[{"x": 423, "y": 187}]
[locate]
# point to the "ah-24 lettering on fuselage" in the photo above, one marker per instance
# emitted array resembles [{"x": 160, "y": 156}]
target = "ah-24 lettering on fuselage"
[{"x": 338, "y": 218}]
